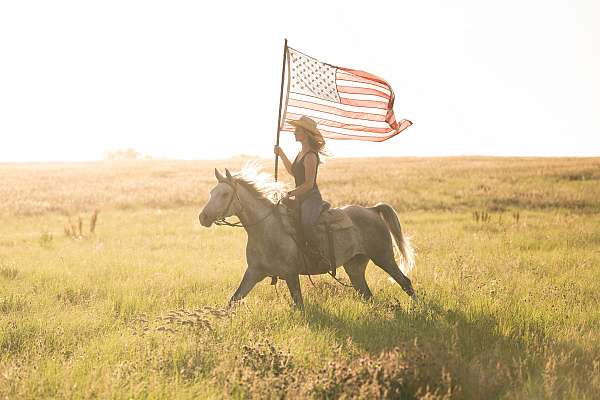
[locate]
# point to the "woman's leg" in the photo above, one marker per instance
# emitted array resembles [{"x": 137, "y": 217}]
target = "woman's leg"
[{"x": 310, "y": 209}]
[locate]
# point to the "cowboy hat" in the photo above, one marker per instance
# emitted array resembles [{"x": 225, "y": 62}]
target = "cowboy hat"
[{"x": 307, "y": 123}]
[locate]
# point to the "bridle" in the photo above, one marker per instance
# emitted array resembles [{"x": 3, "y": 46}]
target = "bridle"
[{"x": 238, "y": 224}]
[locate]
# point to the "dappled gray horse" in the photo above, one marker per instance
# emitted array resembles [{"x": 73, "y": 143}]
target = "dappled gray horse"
[{"x": 272, "y": 250}]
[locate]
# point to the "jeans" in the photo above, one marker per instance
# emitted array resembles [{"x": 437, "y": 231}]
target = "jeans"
[{"x": 310, "y": 209}]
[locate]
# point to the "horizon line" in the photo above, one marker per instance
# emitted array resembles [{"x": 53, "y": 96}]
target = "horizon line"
[{"x": 256, "y": 157}]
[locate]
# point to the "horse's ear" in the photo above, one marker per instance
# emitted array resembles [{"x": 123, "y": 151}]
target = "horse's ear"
[
  {"x": 218, "y": 175},
  {"x": 228, "y": 174}
]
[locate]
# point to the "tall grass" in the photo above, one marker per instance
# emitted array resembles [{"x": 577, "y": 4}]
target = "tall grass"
[{"x": 510, "y": 305}]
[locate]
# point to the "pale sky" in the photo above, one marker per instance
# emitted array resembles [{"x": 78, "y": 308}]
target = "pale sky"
[{"x": 196, "y": 80}]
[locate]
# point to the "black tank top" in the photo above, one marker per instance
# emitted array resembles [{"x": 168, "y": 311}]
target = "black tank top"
[{"x": 298, "y": 170}]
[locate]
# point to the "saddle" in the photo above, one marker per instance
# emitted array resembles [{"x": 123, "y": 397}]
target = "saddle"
[{"x": 331, "y": 220}]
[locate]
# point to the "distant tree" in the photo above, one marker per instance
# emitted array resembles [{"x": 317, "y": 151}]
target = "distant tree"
[
  {"x": 244, "y": 157},
  {"x": 123, "y": 154}
]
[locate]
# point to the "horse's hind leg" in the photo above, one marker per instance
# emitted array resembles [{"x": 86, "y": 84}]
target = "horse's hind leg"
[
  {"x": 389, "y": 265},
  {"x": 355, "y": 268}
]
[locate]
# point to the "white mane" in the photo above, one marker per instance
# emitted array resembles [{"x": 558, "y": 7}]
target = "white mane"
[{"x": 260, "y": 183}]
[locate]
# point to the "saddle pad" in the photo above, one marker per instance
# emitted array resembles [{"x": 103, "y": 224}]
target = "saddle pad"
[{"x": 336, "y": 218}]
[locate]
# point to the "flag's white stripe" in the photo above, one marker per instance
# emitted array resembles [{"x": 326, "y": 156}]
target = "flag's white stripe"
[
  {"x": 336, "y": 118},
  {"x": 350, "y": 132},
  {"x": 342, "y": 82},
  {"x": 370, "y": 110},
  {"x": 363, "y": 97}
]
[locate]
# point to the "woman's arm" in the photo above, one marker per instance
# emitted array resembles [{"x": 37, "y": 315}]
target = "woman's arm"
[
  {"x": 310, "y": 169},
  {"x": 286, "y": 161}
]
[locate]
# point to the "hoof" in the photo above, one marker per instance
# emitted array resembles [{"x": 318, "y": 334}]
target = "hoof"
[{"x": 234, "y": 303}]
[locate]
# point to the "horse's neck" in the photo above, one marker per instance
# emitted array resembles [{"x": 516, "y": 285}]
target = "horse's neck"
[{"x": 253, "y": 209}]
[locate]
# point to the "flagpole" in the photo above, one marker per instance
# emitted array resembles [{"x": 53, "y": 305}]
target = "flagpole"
[{"x": 280, "y": 101}]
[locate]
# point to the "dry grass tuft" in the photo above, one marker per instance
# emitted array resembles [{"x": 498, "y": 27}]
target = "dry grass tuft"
[
  {"x": 196, "y": 321},
  {"x": 8, "y": 271},
  {"x": 75, "y": 231}
]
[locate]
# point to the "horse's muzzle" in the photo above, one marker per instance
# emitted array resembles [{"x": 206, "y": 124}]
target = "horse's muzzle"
[{"x": 204, "y": 220}]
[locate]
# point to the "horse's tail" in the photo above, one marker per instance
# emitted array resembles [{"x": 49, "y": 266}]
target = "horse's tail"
[{"x": 390, "y": 217}]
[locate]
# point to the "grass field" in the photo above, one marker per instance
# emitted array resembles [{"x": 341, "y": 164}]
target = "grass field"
[{"x": 510, "y": 302}]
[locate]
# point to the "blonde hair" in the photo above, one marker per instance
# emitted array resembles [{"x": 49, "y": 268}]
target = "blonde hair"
[{"x": 317, "y": 142}]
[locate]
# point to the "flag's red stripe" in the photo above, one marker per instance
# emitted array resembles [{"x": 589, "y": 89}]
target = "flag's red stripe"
[
  {"x": 290, "y": 128},
  {"x": 349, "y": 77},
  {"x": 366, "y": 75},
  {"x": 361, "y": 90},
  {"x": 391, "y": 118},
  {"x": 335, "y": 124},
  {"x": 402, "y": 127},
  {"x": 328, "y": 134},
  {"x": 364, "y": 103},
  {"x": 336, "y": 135},
  {"x": 335, "y": 110},
  {"x": 405, "y": 123}
]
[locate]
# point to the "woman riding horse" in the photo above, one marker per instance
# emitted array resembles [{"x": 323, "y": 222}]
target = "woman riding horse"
[
  {"x": 272, "y": 250},
  {"x": 304, "y": 170}
]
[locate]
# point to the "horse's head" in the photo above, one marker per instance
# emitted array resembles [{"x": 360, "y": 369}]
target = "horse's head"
[{"x": 222, "y": 201}]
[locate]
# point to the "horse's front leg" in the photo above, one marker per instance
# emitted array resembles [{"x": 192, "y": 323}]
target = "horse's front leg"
[
  {"x": 251, "y": 277},
  {"x": 293, "y": 284}
]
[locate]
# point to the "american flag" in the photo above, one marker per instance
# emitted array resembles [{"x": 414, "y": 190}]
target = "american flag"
[{"x": 345, "y": 103}]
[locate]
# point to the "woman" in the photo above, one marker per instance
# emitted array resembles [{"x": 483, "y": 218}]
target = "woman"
[{"x": 304, "y": 170}]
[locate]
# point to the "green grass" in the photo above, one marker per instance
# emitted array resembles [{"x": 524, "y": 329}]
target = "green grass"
[{"x": 510, "y": 309}]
